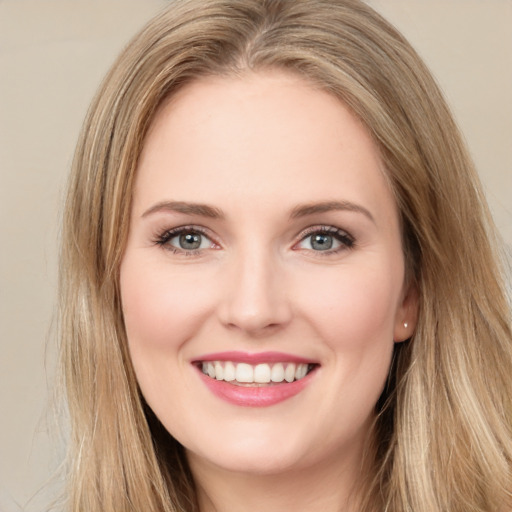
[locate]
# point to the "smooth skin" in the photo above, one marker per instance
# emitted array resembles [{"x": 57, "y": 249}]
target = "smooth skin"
[{"x": 262, "y": 221}]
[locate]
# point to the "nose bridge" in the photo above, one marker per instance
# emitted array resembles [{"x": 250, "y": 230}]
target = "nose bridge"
[{"x": 255, "y": 297}]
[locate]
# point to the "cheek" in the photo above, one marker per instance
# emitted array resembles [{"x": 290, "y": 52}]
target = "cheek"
[
  {"x": 160, "y": 308},
  {"x": 163, "y": 309},
  {"x": 353, "y": 308},
  {"x": 353, "y": 315}
]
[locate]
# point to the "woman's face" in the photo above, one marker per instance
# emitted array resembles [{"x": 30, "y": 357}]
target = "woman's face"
[{"x": 263, "y": 279}]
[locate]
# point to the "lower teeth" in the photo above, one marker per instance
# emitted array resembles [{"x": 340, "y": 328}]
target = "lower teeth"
[{"x": 260, "y": 384}]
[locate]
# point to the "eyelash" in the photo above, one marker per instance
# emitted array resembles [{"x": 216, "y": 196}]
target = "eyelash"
[
  {"x": 164, "y": 238},
  {"x": 346, "y": 241}
]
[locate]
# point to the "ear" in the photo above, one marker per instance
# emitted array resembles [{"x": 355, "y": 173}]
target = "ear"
[{"x": 407, "y": 315}]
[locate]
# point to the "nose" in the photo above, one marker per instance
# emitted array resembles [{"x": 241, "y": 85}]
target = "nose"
[{"x": 254, "y": 297}]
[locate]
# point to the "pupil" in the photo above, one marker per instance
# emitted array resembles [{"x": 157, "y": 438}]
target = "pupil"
[
  {"x": 190, "y": 241},
  {"x": 321, "y": 242}
]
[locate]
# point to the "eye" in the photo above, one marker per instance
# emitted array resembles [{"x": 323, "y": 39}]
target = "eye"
[
  {"x": 321, "y": 241},
  {"x": 186, "y": 240},
  {"x": 326, "y": 239},
  {"x": 190, "y": 241}
]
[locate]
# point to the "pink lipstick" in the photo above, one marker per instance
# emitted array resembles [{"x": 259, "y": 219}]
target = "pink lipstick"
[{"x": 255, "y": 380}]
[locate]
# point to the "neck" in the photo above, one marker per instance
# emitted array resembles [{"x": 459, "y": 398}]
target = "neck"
[{"x": 332, "y": 487}]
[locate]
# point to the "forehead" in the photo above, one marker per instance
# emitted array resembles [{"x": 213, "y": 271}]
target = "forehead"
[{"x": 255, "y": 138}]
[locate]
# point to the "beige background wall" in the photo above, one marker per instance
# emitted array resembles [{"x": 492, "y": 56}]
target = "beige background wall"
[{"x": 53, "y": 54}]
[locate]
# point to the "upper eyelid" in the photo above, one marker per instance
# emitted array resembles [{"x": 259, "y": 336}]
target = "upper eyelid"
[
  {"x": 326, "y": 228},
  {"x": 168, "y": 234},
  {"x": 188, "y": 227}
]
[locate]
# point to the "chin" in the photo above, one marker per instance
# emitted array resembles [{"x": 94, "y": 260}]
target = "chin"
[
  {"x": 254, "y": 454},
  {"x": 266, "y": 461}
]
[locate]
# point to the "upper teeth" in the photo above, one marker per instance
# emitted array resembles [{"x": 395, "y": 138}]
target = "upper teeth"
[{"x": 260, "y": 373}]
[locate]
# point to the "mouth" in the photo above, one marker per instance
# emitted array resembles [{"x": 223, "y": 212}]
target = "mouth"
[
  {"x": 255, "y": 375},
  {"x": 255, "y": 379}
]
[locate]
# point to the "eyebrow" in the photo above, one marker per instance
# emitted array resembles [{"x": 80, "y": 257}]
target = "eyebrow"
[
  {"x": 328, "y": 206},
  {"x": 202, "y": 210}
]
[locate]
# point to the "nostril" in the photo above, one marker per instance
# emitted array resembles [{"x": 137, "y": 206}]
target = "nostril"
[{"x": 256, "y": 328}]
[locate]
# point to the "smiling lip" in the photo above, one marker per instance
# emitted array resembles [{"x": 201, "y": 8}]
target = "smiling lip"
[
  {"x": 254, "y": 395},
  {"x": 261, "y": 357}
]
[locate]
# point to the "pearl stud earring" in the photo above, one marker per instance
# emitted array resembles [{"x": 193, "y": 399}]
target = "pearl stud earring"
[{"x": 405, "y": 324}]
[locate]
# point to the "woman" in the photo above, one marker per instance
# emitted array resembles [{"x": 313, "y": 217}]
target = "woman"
[{"x": 280, "y": 288}]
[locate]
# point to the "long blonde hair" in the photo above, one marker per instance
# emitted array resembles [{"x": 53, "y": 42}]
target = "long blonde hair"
[{"x": 443, "y": 430}]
